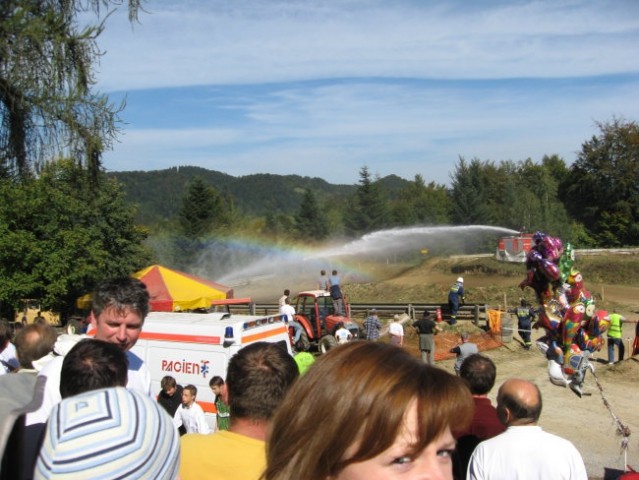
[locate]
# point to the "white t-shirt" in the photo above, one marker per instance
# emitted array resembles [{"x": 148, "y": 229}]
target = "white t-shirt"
[
  {"x": 526, "y": 453},
  {"x": 139, "y": 379},
  {"x": 343, "y": 335},
  {"x": 192, "y": 418},
  {"x": 9, "y": 355},
  {"x": 289, "y": 311},
  {"x": 396, "y": 328}
]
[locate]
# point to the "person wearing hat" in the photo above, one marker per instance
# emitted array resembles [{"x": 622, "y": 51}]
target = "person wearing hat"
[
  {"x": 109, "y": 433},
  {"x": 372, "y": 325},
  {"x": 427, "y": 329},
  {"x": 455, "y": 294}
]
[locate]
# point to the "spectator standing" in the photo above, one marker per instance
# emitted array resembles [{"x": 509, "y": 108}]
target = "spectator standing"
[
  {"x": 8, "y": 358},
  {"x": 282, "y": 300},
  {"x": 39, "y": 318},
  {"x": 91, "y": 436},
  {"x": 189, "y": 414},
  {"x": 455, "y": 295},
  {"x": 615, "y": 331},
  {"x": 396, "y": 332},
  {"x": 21, "y": 392},
  {"x": 170, "y": 396},
  {"x": 524, "y": 450},
  {"x": 258, "y": 377},
  {"x": 218, "y": 387},
  {"x": 342, "y": 334},
  {"x": 118, "y": 310},
  {"x": 463, "y": 350},
  {"x": 288, "y": 310},
  {"x": 525, "y": 316},
  {"x": 335, "y": 288},
  {"x": 427, "y": 328},
  {"x": 322, "y": 281},
  {"x": 89, "y": 365},
  {"x": 479, "y": 372},
  {"x": 372, "y": 325}
]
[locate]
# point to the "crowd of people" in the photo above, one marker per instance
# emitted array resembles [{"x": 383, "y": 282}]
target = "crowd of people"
[{"x": 366, "y": 409}]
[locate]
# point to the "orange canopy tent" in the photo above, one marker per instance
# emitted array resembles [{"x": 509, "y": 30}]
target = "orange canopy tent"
[{"x": 174, "y": 291}]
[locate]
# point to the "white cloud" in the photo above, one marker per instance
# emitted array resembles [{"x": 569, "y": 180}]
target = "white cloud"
[{"x": 216, "y": 42}]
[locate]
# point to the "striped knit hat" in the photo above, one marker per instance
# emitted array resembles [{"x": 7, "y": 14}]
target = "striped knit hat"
[{"x": 109, "y": 434}]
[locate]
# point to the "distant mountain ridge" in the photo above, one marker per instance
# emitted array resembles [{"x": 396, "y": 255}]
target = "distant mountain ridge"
[{"x": 158, "y": 193}]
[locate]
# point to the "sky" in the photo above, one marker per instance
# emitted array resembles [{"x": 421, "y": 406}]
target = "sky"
[{"x": 323, "y": 88}]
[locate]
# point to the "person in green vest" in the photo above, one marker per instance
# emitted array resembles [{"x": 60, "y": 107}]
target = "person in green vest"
[
  {"x": 218, "y": 387},
  {"x": 614, "y": 336}
]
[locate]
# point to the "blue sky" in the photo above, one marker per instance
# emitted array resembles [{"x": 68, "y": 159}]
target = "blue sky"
[{"x": 322, "y": 88}]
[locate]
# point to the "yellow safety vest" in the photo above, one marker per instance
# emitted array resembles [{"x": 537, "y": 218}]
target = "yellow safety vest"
[{"x": 614, "y": 330}]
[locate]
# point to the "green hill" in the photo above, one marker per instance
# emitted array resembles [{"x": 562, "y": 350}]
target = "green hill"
[{"x": 158, "y": 194}]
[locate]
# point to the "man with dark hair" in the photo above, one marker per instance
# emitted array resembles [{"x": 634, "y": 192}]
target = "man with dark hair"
[
  {"x": 257, "y": 378},
  {"x": 463, "y": 350},
  {"x": 118, "y": 310},
  {"x": 427, "y": 329},
  {"x": 525, "y": 316},
  {"x": 91, "y": 365},
  {"x": 170, "y": 397},
  {"x": 479, "y": 373},
  {"x": 545, "y": 455}
]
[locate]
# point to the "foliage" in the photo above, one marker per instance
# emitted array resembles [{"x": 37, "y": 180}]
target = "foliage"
[
  {"x": 521, "y": 196},
  {"x": 158, "y": 193},
  {"x": 418, "y": 203},
  {"x": 474, "y": 187},
  {"x": 60, "y": 235},
  {"x": 602, "y": 188},
  {"x": 368, "y": 209},
  {"x": 310, "y": 221},
  {"x": 46, "y": 73},
  {"x": 203, "y": 210}
]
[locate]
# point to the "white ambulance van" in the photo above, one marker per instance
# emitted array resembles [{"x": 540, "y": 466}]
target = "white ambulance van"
[{"x": 194, "y": 347}]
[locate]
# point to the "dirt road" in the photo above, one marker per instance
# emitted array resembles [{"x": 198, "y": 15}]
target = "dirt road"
[{"x": 586, "y": 421}]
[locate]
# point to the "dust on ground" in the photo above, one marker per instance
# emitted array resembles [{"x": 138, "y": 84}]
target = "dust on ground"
[{"x": 588, "y": 422}]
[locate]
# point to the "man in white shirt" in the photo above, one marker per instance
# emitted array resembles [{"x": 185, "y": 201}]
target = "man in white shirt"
[
  {"x": 189, "y": 414},
  {"x": 8, "y": 357},
  {"x": 289, "y": 310},
  {"x": 118, "y": 310},
  {"x": 396, "y": 331},
  {"x": 342, "y": 334},
  {"x": 282, "y": 300},
  {"x": 524, "y": 450}
]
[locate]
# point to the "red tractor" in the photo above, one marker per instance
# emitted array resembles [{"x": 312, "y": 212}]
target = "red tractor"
[{"x": 316, "y": 313}]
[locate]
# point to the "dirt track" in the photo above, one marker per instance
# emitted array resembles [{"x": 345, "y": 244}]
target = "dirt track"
[{"x": 586, "y": 421}]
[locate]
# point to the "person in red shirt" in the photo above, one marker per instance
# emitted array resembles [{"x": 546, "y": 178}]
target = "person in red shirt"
[{"x": 479, "y": 372}]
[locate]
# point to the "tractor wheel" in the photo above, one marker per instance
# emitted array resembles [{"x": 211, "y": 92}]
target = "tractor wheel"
[
  {"x": 326, "y": 343},
  {"x": 303, "y": 345}
]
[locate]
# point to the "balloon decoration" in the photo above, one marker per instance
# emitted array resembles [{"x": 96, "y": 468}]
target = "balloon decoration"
[{"x": 573, "y": 326}]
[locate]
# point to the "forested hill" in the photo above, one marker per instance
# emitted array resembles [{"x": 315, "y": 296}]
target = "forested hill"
[{"x": 158, "y": 194}]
